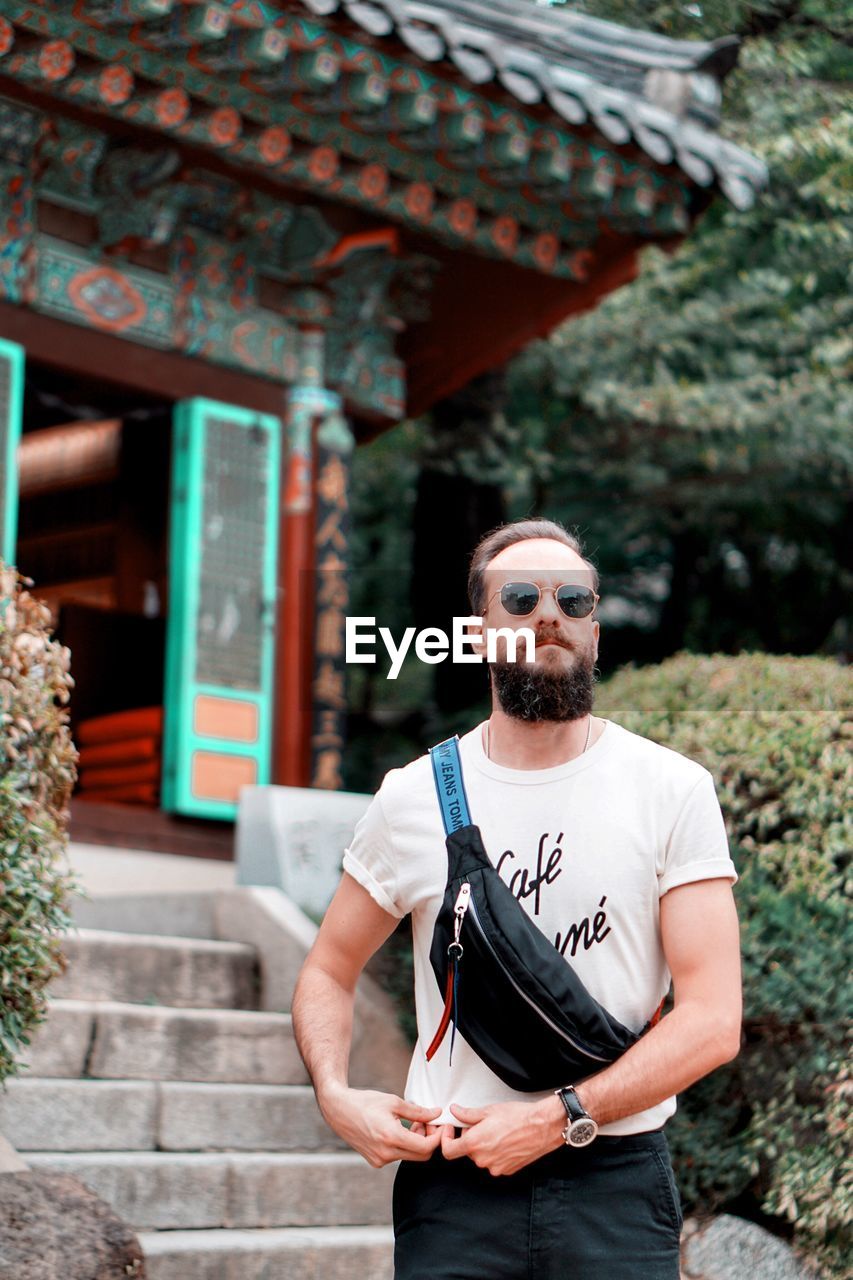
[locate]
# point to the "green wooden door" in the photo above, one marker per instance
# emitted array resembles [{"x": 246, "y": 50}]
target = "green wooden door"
[
  {"x": 11, "y": 411},
  {"x": 220, "y": 639}
]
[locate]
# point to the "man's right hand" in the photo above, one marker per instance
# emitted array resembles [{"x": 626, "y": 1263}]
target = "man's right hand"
[{"x": 370, "y": 1122}]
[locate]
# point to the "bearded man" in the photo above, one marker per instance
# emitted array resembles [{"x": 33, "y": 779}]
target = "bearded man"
[{"x": 615, "y": 847}]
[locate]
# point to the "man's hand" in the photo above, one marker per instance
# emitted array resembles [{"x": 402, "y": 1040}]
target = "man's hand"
[
  {"x": 369, "y": 1122},
  {"x": 506, "y": 1136}
]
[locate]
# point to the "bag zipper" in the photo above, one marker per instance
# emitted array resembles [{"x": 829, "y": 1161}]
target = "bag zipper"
[
  {"x": 454, "y": 955},
  {"x": 534, "y": 1006}
]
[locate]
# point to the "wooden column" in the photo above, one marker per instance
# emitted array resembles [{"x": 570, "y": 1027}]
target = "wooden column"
[{"x": 309, "y": 404}]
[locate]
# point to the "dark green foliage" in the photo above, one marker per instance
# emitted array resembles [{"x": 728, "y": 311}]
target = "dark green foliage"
[
  {"x": 696, "y": 425},
  {"x": 37, "y": 760},
  {"x": 768, "y": 1130}
]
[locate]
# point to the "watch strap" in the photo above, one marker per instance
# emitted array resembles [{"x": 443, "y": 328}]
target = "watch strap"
[{"x": 574, "y": 1108}]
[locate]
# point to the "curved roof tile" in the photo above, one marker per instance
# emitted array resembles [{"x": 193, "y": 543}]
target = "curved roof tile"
[{"x": 631, "y": 85}]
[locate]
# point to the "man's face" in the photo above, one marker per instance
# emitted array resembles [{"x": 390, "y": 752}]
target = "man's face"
[{"x": 558, "y": 685}]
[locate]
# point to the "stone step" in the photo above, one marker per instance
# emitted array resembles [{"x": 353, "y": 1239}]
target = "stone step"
[
  {"x": 154, "y": 1190},
  {"x": 143, "y": 1115},
  {"x": 112, "y": 1040},
  {"x": 294, "y": 1253},
  {"x": 150, "y": 969}
]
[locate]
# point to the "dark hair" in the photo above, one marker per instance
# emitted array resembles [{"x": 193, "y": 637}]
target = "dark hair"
[{"x": 505, "y": 536}]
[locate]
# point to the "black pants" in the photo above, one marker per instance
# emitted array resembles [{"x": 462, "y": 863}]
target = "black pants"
[{"x": 607, "y": 1212}]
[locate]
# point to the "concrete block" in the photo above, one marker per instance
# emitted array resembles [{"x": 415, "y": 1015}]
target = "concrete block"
[
  {"x": 154, "y": 1190},
  {"x": 60, "y": 1045},
  {"x": 137, "y": 1043},
  {"x": 294, "y": 838},
  {"x": 216, "y": 1117},
  {"x": 107, "y": 871},
  {"x": 297, "y": 1253},
  {"x": 283, "y": 935},
  {"x": 153, "y": 969},
  {"x": 328, "y": 1189},
  {"x": 149, "y": 1189},
  {"x": 185, "y": 914},
  {"x": 79, "y": 1115}
]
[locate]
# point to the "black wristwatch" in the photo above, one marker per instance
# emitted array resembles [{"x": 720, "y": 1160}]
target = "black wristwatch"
[{"x": 581, "y": 1128}]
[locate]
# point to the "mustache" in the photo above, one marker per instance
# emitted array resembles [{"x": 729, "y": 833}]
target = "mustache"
[{"x": 549, "y": 637}]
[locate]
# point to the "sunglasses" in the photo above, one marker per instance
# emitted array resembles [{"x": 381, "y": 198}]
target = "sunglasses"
[{"x": 522, "y": 598}]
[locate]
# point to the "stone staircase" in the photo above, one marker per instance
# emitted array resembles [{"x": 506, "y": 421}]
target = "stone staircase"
[{"x": 159, "y": 1082}]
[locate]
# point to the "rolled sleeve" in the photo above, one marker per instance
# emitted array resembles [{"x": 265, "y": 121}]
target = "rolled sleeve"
[
  {"x": 371, "y": 860},
  {"x": 698, "y": 848}
]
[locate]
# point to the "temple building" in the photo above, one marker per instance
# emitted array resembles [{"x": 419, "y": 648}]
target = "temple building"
[{"x": 236, "y": 240}]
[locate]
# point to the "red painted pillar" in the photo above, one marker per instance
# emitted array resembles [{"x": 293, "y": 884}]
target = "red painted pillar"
[{"x": 308, "y": 404}]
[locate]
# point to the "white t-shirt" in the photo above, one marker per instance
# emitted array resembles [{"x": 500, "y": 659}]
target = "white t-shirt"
[{"x": 589, "y": 847}]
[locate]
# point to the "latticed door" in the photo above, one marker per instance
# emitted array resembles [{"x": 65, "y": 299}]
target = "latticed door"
[
  {"x": 222, "y": 583},
  {"x": 11, "y": 410}
]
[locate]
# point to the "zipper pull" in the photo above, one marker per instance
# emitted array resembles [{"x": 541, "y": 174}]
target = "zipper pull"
[
  {"x": 454, "y": 955},
  {"x": 463, "y": 899},
  {"x": 462, "y": 903}
]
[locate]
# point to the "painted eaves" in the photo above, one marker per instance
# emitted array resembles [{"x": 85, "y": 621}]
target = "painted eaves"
[{"x": 635, "y": 87}]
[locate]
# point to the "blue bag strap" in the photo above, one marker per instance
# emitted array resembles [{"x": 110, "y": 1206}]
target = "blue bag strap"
[{"x": 450, "y": 785}]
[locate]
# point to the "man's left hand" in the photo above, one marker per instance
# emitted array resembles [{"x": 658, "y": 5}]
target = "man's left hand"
[{"x": 506, "y": 1136}]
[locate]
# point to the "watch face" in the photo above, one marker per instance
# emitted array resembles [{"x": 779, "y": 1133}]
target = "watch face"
[{"x": 582, "y": 1132}]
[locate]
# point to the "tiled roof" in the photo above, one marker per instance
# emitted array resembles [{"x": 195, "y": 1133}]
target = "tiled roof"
[{"x": 633, "y": 86}]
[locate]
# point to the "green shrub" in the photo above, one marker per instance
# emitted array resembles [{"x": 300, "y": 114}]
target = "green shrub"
[
  {"x": 766, "y": 1134},
  {"x": 37, "y": 771}
]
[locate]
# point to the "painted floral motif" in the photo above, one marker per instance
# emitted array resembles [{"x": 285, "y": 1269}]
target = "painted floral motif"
[
  {"x": 462, "y": 217},
  {"x": 373, "y": 182},
  {"x": 56, "y": 60},
  {"x": 172, "y": 108},
  {"x": 419, "y": 199},
  {"x": 274, "y": 145},
  {"x": 115, "y": 85},
  {"x": 224, "y": 127},
  {"x": 323, "y": 164},
  {"x": 106, "y": 298}
]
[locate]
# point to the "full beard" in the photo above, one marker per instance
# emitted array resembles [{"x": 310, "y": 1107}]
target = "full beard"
[{"x": 532, "y": 693}]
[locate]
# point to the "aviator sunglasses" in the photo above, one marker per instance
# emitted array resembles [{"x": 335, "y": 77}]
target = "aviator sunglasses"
[{"x": 522, "y": 598}]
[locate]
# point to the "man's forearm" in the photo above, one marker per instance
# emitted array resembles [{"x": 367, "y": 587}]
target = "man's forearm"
[
  {"x": 322, "y": 1013},
  {"x": 681, "y": 1049},
  {"x": 507, "y": 1136},
  {"x": 370, "y": 1121}
]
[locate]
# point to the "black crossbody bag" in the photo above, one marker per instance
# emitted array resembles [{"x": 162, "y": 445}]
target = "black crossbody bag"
[{"x": 512, "y": 995}]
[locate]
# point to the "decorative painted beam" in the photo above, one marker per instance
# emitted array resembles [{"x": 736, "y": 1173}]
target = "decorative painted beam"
[
  {"x": 102, "y": 85},
  {"x": 451, "y": 131},
  {"x": 7, "y": 37},
  {"x": 550, "y": 164},
  {"x": 184, "y": 26},
  {"x": 69, "y": 156},
  {"x": 248, "y": 120},
  {"x": 402, "y": 113},
  {"x": 268, "y": 147},
  {"x": 361, "y": 93},
  {"x": 593, "y": 175},
  {"x": 110, "y": 13},
  {"x": 505, "y": 149},
  {"x": 165, "y": 108},
  {"x": 385, "y": 147},
  {"x": 264, "y": 48},
  {"x": 314, "y": 71},
  {"x": 219, "y": 127},
  {"x": 35, "y": 61}
]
